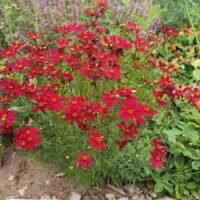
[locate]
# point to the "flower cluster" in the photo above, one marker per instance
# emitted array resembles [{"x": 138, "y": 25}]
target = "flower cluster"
[
  {"x": 46, "y": 73},
  {"x": 27, "y": 138},
  {"x": 7, "y": 118},
  {"x": 157, "y": 154}
]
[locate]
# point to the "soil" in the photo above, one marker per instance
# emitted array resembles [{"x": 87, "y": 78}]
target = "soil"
[{"x": 22, "y": 178}]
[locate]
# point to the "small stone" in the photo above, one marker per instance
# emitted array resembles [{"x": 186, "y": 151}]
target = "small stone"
[
  {"x": 136, "y": 197},
  {"x": 124, "y": 198},
  {"x": 165, "y": 198},
  {"x": 152, "y": 194},
  {"x": 45, "y": 197},
  {"x": 110, "y": 197},
  {"x": 75, "y": 196},
  {"x": 130, "y": 189},
  {"x": 141, "y": 197},
  {"x": 22, "y": 191},
  {"x": 62, "y": 174},
  {"x": 147, "y": 197},
  {"x": 11, "y": 177},
  {"x": 47, "y": 182},
  {"x": 120, "y": 191}
]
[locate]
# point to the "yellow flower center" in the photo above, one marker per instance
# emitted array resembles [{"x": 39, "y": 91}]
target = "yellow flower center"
[{"x": 84, "y": 157}]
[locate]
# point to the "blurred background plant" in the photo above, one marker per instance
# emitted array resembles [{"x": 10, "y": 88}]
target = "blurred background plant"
[
  {"x": 19, "y": 17},
  {"x": 176, "y": 12}
]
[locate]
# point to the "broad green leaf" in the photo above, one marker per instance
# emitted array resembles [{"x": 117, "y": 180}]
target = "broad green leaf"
[
  {"x": 196, "y": 74},
  {"x": 158, "y": 187},
  {"x": 196, "y": 165},
  {"x": 179, "y": 161},
  {"x": 192, "y": 185}
]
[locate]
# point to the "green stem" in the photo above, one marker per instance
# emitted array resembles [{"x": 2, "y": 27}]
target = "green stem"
[{"x": 194, "y": 30}]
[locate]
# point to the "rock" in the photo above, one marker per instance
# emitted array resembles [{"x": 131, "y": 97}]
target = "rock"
[
  {"x": 141, "y": 197},
  {"x": 130, "y": 189},
  {"x": 22, "y": 191},
  {"x": 124, "y": 198},
  {"x": 135, "y": 197},
  {"x": 45, "y": 197},
  {"x": 166, "y": 198},
  {"x": 110, "y": 197},
  {"x": 62, "y": 174},
  {"x": 147, "y": 197},
  {"x": 75, "y": 196},
  {"x": 152, "y": 194},
  {"x": 47, "y": 182},
  {"x": 11, "y": 177},
  {"x": 120, "y": 191}
]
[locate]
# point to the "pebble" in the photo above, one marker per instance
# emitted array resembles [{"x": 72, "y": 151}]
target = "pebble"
[
  {"x": 110, "y": 197},
  {"x": 130, "y": 189},
  {"x": 136, "y": 197},
  {"x": 62, "y": 174},
  {"x": 124, "y": 198},
  {"x": 152, "y": 194},
  {"x": 45, "y": 197},
  {"x": 22, "y": 191},
  {"x": 75, "y": 196},
  {"x": 11, "y": 177}
]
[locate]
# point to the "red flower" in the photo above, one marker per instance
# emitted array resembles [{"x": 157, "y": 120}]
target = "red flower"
[
  {"x": 101, "y": 3},
  {"x": 123, "y": 92},
  {"x": 157, "y": 154},
  {"x": 27, "y": 138},
  {"x": 84, "y": 161},
  {"x": 158, "y": 95},
  {"x": 110, "y": 99},
  {"x": 128, "y": 131},
  {"x": 156, "y": 159},
  {"x": 132, "y": 110},
  {"x": 148, "y": 112},
  {"x": 11, "y": 87},
  {"x": 121, "y": 144},
  {"x": 33, "y": 36},
  {"x": 116, "y": 43},
  {"x": 96, "y": 141},
  {"x": 7, "y": 117}
]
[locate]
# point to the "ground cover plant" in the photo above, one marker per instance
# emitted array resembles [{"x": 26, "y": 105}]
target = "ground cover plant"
[{"x": 107, "y": 103}]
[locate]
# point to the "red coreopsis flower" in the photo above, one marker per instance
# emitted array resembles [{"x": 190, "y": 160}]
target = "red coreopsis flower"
[
  {"x": 11, "y": 88},
  {"x": 117, "y": 43},
  {"x": 132, "y": 27},
  {"x": 157, "y": 154},
  {"x": 74, "y": 109},
  {"x": 141, "y": 45},
  {"x": 113, "y": 73},
  {"x": 123, "y": 92},
  {"x": 148, "y": 112},
  {"x": 20, "y": 65},
  {"x": 128, "y": 131},
  {"x": 121, "y": 144},
  {"x": 91, "y": 111},
  {"x": 66, "y": 76},
  {"x": 110, "y": 99},
  {"x": 33, "y": 36},
  {"x": 96, "y": 141},
  {"x": 27, "y": 138},
  {"x": 7, "y": 118},
  {"x": 62, "y": 43},
  {"x": 84, "y": 161},
  {"x": 158, "y": 95},
  {"x": 101, "y": 3},
  {"x": 156, "y": 159},
  {"x": 132, "y": 110}
]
